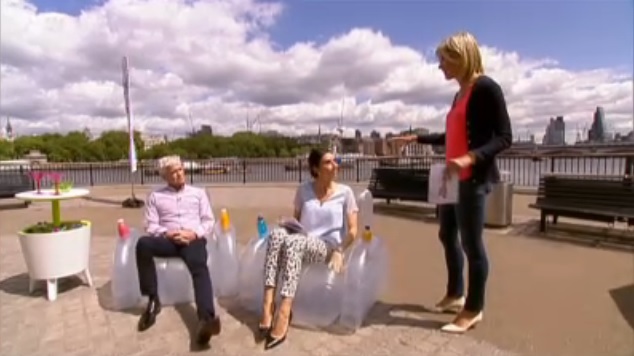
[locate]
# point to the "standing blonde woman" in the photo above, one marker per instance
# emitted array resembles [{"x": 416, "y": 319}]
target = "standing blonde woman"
[{"x": 478, "y": 128}]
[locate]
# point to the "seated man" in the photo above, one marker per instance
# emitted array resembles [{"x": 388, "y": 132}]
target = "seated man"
[{"x": 178, "y": 218}]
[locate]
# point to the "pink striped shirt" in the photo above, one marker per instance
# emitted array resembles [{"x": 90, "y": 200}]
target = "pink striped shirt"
[{"x": 187, "y": 209}]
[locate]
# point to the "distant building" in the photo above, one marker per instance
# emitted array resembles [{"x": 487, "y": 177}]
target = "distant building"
[
  {"x": 271, "y": 133},
  {"x": 150, "y": 141},
  {"x": 314, "y": 139},
  {"x": 368, "y": 146},
  {"x": 555, "y": 134},
  {"x": 372, "y": 146},
  {"x": 35, "y": 157},
  {"x": 206, "y": 130},
  {"x": 527, "y": 143},
  {"x": 349, "y": 145},
  {"x": 597, "y": 132},
  {"x": 6, "y": 132},
  {"x": 88, "y": 134},
  {"x": 417, "y": 149}
]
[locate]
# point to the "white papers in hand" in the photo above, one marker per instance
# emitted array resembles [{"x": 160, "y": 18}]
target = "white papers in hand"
[{"x": 442, "y": 192}]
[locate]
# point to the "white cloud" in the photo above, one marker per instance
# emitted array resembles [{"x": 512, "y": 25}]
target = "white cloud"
[{"x": 216, "y": 60}]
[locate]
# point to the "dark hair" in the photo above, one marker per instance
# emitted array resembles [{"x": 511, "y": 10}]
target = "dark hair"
[{"x": 314, "y": 160}]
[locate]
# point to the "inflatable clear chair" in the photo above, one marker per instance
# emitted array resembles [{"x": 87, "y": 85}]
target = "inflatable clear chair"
[
  {"x": 174, "y": 280},
  {"x": 322, "y": 295}
]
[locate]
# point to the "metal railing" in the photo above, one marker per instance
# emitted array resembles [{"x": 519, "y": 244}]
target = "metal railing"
[{"x": 524, "y": 170}]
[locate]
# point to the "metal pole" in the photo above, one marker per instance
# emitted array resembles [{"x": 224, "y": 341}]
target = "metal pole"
[{"x": 132, "y": 183}]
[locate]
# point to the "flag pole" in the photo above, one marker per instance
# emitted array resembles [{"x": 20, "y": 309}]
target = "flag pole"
[{"x": 131, "y": 202}]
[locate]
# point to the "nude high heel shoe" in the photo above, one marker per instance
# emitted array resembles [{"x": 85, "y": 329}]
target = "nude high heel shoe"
[
  {"x": 455, "y": 329},
  {"x": 454, "y": 307}
]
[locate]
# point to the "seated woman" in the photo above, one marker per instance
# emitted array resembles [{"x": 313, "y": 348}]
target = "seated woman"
[{"x": 328, "y": 212}]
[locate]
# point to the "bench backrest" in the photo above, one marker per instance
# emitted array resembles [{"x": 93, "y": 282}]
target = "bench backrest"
[
  {"x": 399, "y": 179},
  {"x": 12, "y": 182},
  {"x": 590, "y": 193}
]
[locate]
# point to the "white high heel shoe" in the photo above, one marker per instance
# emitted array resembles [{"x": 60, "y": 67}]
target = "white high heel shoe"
[
  {"x": 455, "y": 329},
  {"x": 453, "y": 307}
]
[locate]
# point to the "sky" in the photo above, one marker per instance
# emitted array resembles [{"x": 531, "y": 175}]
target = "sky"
[{"x": 297, "y": 65}]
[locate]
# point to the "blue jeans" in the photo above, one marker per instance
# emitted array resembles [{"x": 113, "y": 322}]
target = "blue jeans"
[{"x": 467, "y": 218}]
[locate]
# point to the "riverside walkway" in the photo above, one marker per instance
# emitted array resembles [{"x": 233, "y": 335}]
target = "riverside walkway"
[{"x": 544, "y": 297}]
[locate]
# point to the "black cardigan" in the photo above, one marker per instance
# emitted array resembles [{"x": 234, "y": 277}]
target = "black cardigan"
[{"x": 488, "y": 129}]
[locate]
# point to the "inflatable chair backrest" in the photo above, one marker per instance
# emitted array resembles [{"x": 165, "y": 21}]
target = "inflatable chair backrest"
[{"x": 365, "y": 202}]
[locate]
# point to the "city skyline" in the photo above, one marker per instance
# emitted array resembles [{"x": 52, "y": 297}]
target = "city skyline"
[
  {"x": 555, "y": 132},
  {"x": 281, "y": 66}
]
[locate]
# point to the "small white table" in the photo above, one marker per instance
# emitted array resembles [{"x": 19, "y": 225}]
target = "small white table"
[
  {"x": 58, "y": 254},
  {"x": 49, "y": 195}
]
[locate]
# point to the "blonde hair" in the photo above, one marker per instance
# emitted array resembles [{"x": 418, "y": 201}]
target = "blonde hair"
[
  {"x": 462, "y": 49},
  {"x": 166, "y": 162}
]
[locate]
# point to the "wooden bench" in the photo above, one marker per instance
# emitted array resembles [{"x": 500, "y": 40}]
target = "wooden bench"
[
  {"x": 603, "y": 199},
  {"x": 399, "y": 183},
  {"x": 13, "y": 182}
]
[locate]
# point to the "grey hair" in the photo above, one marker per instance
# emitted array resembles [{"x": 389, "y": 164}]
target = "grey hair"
[{"x": 166, "y": 162}]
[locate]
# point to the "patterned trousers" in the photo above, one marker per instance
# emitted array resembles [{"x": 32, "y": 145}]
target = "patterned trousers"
[{"x": 285, "y": 256}]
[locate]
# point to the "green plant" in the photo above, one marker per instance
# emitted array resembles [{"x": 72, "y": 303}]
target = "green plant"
[
  {"x": 48, "y": 227},
  {"x": 65, "y": 186}
]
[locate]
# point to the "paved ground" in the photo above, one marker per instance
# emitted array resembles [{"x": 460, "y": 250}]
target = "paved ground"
[{"x": 544, "y": 298}]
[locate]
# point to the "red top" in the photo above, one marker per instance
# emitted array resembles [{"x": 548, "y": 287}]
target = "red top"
[{"x": 457, "y": 143}]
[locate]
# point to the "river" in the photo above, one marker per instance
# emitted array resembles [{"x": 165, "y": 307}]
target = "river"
[{"x": 523, "y": 171}]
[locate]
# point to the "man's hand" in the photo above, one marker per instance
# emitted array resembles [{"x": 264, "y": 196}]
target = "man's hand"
[
  {"x": 171, "y": 234},
  {"x": 336, "y": 262},
  {"x": 175, "y": 237},
  {"x": 181, "y": 237},
  {"x": 188, "y": 235}
]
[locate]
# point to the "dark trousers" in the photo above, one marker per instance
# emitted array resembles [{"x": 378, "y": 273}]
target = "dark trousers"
[
  {"x": 466, "y": 218},
  {"x": 195, "y": 257}
]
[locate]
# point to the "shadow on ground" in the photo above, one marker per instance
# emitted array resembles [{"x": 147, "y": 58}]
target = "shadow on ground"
[
  {"x": 189, "y": 316},
  {"x": 410, "y": 315},
  {"x": 410, "y": 212},
  {"x": 381, "y": 313},
  {"x": 609, "y": 238},
  {"x": 107, "y": 201},
  {"x": 19, "y": 285},
  {"x": 186, "y": 311},
  {"x": 13, "y": 205},
  {"x": 106, "y": 302},
  {"x": 624, "y": 299},
  {"x": 248, "y": 318}
]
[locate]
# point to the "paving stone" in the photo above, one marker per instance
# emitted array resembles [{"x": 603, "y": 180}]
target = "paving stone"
[{"x": 81, "y": 322}]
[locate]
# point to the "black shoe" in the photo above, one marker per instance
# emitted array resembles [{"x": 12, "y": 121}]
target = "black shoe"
[
  {"x": 148, "y": 318},
  {"x": 263, "y": 330},
  {"x": 207, "y": 329},
  {"x": 272, "y": 342}
]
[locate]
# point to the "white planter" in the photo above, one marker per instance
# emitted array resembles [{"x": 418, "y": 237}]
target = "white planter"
[{"x": 50, "y": 256}]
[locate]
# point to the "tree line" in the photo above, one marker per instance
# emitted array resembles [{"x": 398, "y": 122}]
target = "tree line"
[{"x": 113, "y": 146}]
